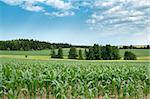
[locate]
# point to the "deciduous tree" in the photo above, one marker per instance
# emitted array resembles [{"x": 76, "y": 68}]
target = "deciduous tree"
[
  {"x": 60, "y": 53},
  {"x": 73, "y": 53},
  {"x": 129, "y": 56},
  {"x": 80, "y": 55}
]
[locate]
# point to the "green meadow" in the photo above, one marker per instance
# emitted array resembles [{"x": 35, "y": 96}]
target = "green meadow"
[{"x": 142, "y": 54}]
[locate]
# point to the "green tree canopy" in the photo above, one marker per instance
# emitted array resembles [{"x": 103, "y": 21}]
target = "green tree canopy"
[
  {"x": 97, "y": 51},
  {"x": 107, "y": 52},
  {"x": 110, "y": 52},
  {"x": 60, "y": 53},
  {"x": 26, "y": 44},
  {"x": 129, "y": 56},
  {"x": 86, "y": 53},
  {"x": 91, "y": 55},
  {"x": 72, "y": 53},
  {"x": 80, "y": 55},
  {"x": 53, "y": 54}
]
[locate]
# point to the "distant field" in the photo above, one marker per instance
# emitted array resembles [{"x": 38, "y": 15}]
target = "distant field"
[
  {"x": 138, "y": 52},
  {"x": 142, "y": 54},
  {"x": 34, "y": 53},
  {"x": 46, "y": 58}
]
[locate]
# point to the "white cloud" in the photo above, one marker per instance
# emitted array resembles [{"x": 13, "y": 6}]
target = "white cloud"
[
  {"x": 31, "y": 7},
  {"x": 137, "y": 13},
  {"x": 91, "y": 21},
  {"x": 60, "y": 14},
  {"x": 59, "y": 4},
  {"x": 103, "y": 4},
  {"x": 114, "y": 10},
  {"x": 62, "y": 8},
  {"x": 102, "y": 12},
  {"x": 120, "y": 13},
  {"x": 12, "y": 2}
]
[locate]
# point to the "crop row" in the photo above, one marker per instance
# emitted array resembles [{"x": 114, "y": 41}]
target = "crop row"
[{"x": 72, "y": 80}]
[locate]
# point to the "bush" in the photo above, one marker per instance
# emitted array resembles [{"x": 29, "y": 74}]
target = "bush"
[{"x": 129, "y": 56}]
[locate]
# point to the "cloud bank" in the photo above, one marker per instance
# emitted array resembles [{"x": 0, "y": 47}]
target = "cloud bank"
[
  {"x": 61, "y": 7},
  {"x": 103, "y": 13},
  {"x": 116, "y": 13}
]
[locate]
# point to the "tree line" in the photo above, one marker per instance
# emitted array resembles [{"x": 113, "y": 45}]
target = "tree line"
[
  {"x": 30, "y": 44},
  {"x": 95, "y": 52},
  {"x": 135, "y": 47},
  {"x": 26, "y": 45}
]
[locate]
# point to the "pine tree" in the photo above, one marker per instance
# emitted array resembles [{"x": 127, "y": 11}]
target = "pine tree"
[{"x": 80, "y": 55}]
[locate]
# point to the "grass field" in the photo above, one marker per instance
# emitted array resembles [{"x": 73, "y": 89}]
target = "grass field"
[
  {"x": 140, "y": 59},
  {"x": 142, "y": 54},
  {"x": 138, "y": 52},
  {"x": 73, "y": 79}
]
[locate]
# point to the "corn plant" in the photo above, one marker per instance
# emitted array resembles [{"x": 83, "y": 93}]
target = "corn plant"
[{"x": 73, "y": 79}]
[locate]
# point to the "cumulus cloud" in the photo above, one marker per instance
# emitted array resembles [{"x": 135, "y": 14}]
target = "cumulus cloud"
[
  {"x": 103, "y": 13},
  {"x": 120, "y": 13},
  {"x": 59, "y": 4},
  {"x": 34, "y": 5},
  {"x": 60, "y": 14},
  {"x": 103, "y": 4},
  {"x": 30, "y": 7},
  {"x": 12, "y": 2}
]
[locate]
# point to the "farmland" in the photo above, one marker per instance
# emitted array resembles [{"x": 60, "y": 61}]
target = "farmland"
[
  {"x": 34, "y": 74},
  {"x": 74, "y": 49},
  {"x": 142, "y": 54},
  {"x": 73, "y": 79}
]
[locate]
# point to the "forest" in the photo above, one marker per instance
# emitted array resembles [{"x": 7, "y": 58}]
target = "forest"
[
  {"x": 26, "y": 45},
  {"x": 30, "y": 44}
]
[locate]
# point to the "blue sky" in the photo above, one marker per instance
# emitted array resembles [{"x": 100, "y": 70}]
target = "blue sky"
[{"x": 81, "y": 22}]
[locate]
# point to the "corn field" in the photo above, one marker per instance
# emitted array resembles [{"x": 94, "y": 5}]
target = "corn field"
[{"x": 31, "y": 79}]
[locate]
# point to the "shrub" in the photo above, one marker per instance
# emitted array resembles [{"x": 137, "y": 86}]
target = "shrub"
[{"x": 129, "y": 56}]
